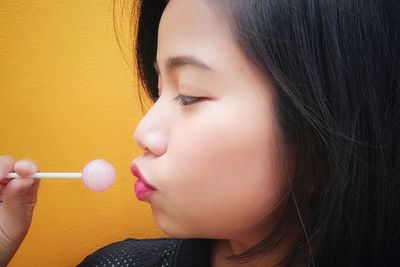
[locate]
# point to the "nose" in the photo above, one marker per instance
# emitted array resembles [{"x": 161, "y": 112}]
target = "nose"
[{"x": 151, "y": 133}]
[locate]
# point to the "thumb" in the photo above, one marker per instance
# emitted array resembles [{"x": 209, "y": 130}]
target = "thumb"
[
  {"x": 17, "y": 194},
  {"x": 21, "y": 193},
  {"x": 19, "y": 199}
]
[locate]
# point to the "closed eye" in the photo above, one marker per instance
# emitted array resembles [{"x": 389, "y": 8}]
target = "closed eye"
[{"x": 188, "y": 100}]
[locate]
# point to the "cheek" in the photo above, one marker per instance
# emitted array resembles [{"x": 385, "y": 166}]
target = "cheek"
[{"x": 225, "y": 172}]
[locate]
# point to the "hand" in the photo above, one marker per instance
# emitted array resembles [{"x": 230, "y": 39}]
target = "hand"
[{"x": 17, "y": 201}]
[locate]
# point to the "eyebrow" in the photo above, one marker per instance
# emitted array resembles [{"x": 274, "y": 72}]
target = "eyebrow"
[{"x": 177, "y": 62}]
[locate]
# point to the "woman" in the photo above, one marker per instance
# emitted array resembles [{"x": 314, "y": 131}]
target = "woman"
[{"x": 273, "y": 140}]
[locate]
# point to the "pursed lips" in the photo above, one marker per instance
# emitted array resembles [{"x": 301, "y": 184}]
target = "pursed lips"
[{"x": 136, "y": 172}]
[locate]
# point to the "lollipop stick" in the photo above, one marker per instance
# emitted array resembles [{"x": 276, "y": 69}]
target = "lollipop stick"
[
  {"x": 67, "y": 175},
  {"x": 97, "y": 175}
]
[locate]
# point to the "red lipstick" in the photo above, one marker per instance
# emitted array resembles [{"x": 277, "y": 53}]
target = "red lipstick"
[{"x": 142, "y": 188}]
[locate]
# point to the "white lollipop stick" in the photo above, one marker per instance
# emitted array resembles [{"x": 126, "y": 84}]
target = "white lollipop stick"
[
  {"x": 98, "y": 175},
  {"x": 59, "y": 175}
]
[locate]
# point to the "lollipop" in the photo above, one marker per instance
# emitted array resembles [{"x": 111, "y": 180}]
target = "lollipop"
[{"x": 98, "y": 175}]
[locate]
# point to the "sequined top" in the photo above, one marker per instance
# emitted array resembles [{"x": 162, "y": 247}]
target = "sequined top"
[{"x": 157, "y": 252}]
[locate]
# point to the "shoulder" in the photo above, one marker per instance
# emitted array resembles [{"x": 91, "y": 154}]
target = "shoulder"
[{"x": 134, "y": 252}]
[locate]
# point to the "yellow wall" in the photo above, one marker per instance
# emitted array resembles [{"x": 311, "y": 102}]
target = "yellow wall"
[{"x": 67, "y": 97}]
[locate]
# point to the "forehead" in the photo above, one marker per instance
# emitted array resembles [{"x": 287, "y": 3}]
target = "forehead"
[
  {"x": 192, "y": 27},
  {"x": 197, "y": 29}
]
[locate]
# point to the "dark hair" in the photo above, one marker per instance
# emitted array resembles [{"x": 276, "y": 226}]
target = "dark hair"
[{"x": 336, "y": 67}]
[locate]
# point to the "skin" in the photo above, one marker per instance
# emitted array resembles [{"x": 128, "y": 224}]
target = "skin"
[
  {"x": 17, "y": 201},
  {"x": 219, "y": 165}
]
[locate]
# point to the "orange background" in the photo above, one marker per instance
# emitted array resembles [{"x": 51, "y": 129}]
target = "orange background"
[{"x": 67, "y": 97}]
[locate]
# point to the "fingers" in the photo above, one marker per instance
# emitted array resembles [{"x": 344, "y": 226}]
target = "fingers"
[
  {"x": 25, "y": 167},
  {"x": 17, "y": 201},
  {"x": 6, "y": 165},
  {"x": 17, "y": 188},
  {"x": 19, "y": 197},
  {"x": 20, "y": 193}
]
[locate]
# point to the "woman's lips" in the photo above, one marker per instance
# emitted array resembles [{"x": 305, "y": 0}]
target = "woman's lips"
[{"x": 142, "y": 188}]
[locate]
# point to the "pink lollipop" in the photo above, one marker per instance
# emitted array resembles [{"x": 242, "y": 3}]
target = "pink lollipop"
[{"x": 98, "y": 175}]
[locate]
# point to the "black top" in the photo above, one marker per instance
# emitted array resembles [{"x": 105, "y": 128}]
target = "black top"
[{"x": 159, "y": 252}]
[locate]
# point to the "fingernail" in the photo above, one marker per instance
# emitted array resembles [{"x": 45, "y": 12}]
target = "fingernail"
[{"x": 33, "y": 168}]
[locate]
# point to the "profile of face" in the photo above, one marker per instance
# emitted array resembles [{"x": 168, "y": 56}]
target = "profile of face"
[{"x": 215, "y": 156}]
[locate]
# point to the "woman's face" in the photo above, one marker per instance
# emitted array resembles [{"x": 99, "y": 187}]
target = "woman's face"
[{"x": 217, "y": 163}]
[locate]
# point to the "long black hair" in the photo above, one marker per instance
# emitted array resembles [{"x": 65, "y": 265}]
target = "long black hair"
[{"x": 336, "y": 67}]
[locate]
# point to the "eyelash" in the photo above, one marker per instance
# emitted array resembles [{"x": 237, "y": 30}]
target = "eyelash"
[
  {"x": 188, "y": 100},
  {"x": 183, "y": 99}
]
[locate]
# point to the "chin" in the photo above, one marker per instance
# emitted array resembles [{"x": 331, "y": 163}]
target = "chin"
[
  {"x": 173, "y": 227},
  {"x": 175, "y": 230}
]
